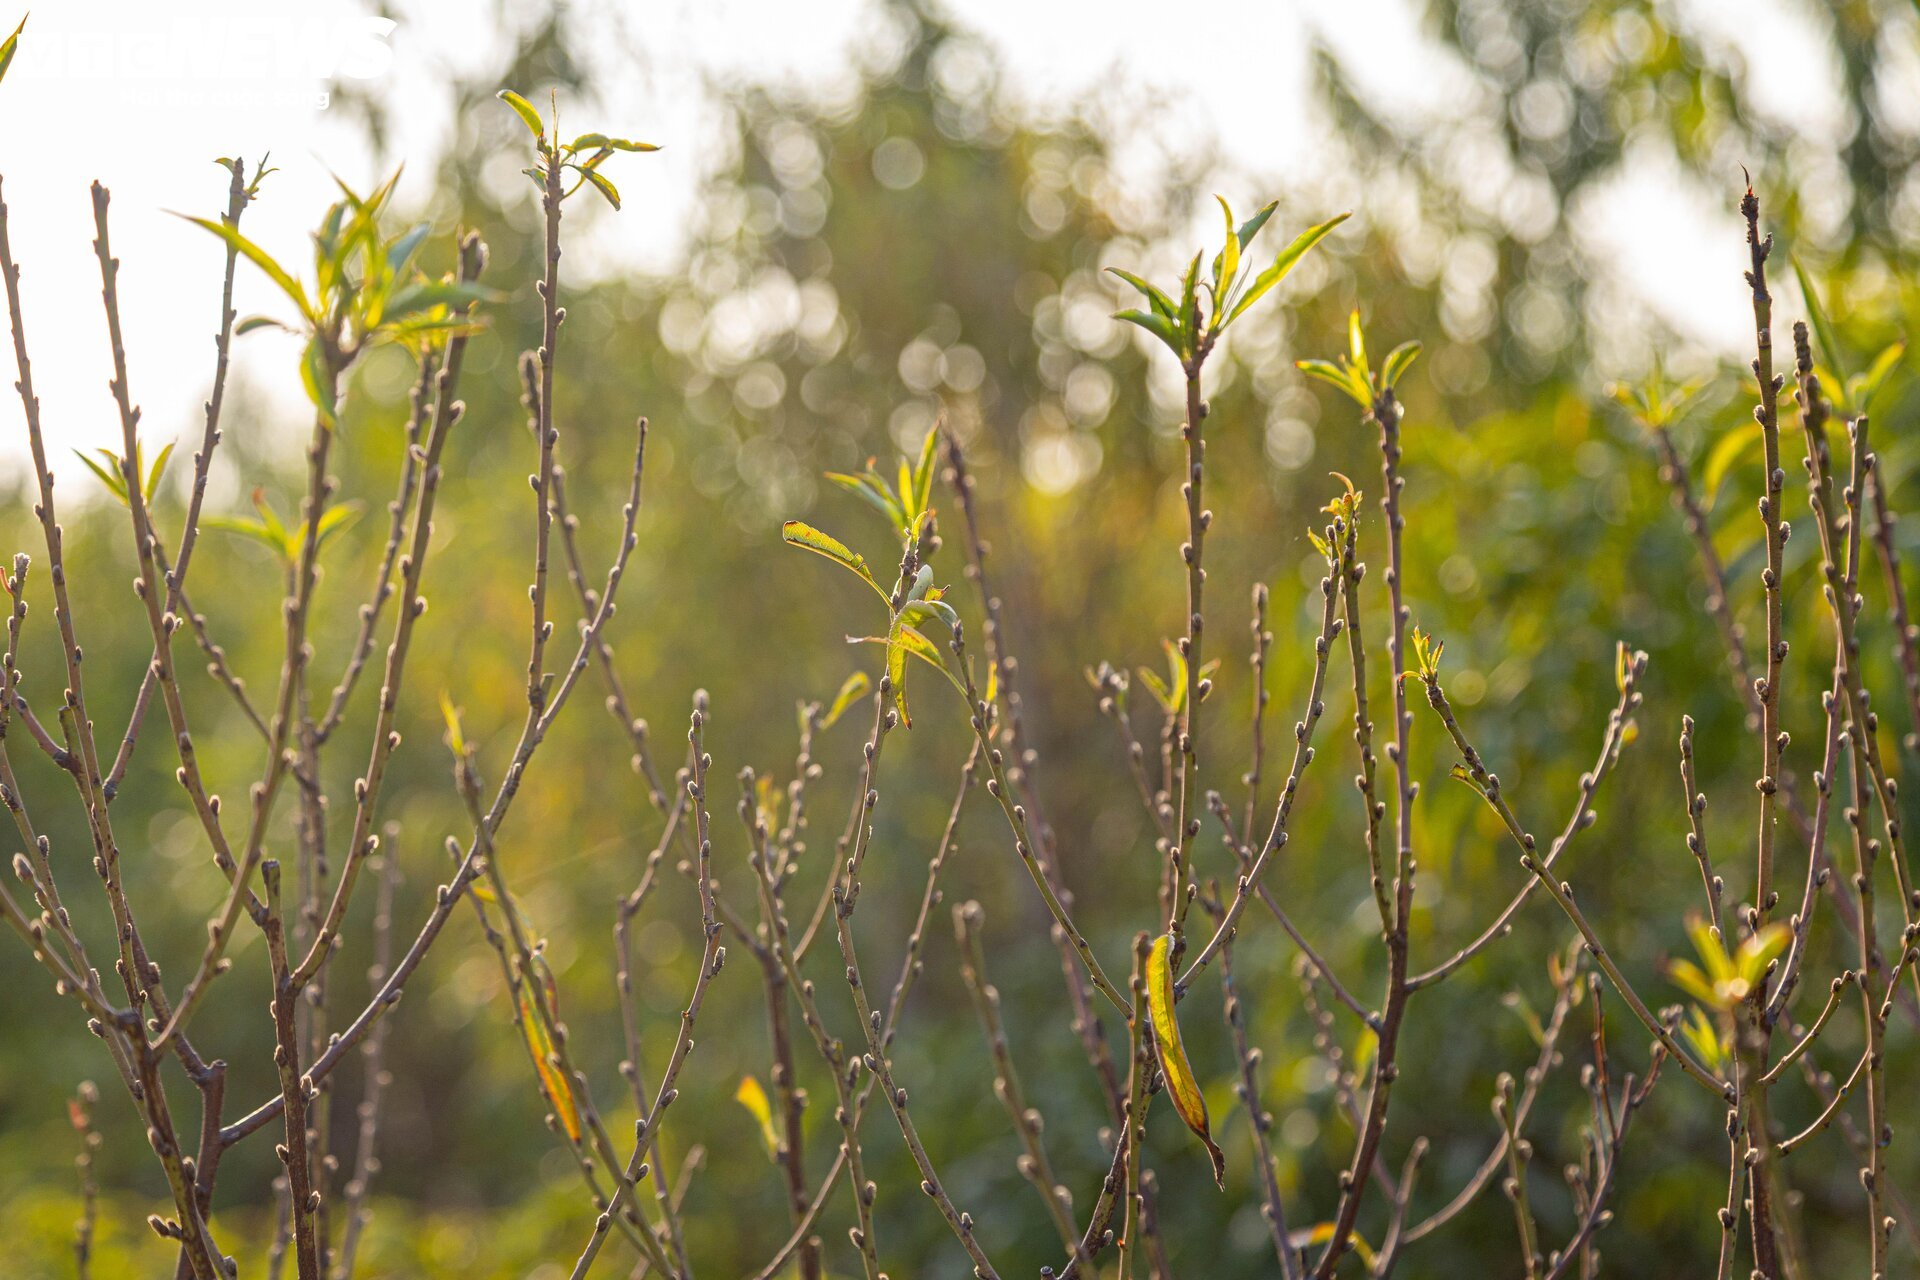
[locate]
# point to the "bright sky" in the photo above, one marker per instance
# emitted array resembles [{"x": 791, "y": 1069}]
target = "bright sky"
[{"x": 144, "y": 96}]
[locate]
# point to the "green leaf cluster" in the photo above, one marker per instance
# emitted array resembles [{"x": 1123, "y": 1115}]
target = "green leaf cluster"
[
  {"x": 582, "y": 157},
  {"x": 110, "y": 468},
  {"x": 907, "y": 501},
  {"x": 1353, "y": 373},
  {"x": 909, "y": 510},
  {"x": 270, "y": 531},
  {"x": 366, "y": 291},
  {"x": 1207, "y": 305}
]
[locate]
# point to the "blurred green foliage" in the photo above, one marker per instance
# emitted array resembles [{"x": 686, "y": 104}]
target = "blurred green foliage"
[{"x": 856, "y": 272}]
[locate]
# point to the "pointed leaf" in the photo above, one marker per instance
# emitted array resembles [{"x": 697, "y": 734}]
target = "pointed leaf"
[
  {"x": 1869, "y": 383},
  {"x": 528, "y": 116},
  {"x": 1321, "y": 1233},
  {"x": 600, "y": 140},
  {"x": 1251, "y": 227},
  {"x": 798, "y": 533},
  {"x": 261, "y": 322},
  {"x": 553, "y": 1081},
  {"x": 852, "y": 689},
  {"x": 1161, "y": 303},
  {"x": 604, "y": 186},
  {"x": 1229, "y": 260},
  {"x": 754, "y": 1098},
  {"x": 159, "y": 469},
  {"x": 1289, "y": 256},
  {"x": 1156, "y": 324},
  {"x": 1182, "y": 1087},
  {"x": 1158, "y": 688},
  {"x": 923, "y": 473},
  {"x": 10, "y": 47},
  {"x": 109, "y": 475},
  {"x": 260, "y": 258},
  {"x": 247, "y": 527},
  {"x": 873, "y": 493},
  {"x": 456, "y": 738},
  {"x": 317, "y": 378},
  {"x": 1822, "y": 327},
  {"x": 424, "y": 295},
  {"x": 1728, "y": 450},
  {"x": 1338, "y": 375},
  {"x": 1189, "y": 286},
  {"x": 1398, "y": 361}
]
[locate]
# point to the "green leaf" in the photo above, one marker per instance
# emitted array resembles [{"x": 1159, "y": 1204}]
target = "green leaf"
[
  {"x": 109, "y": 475},
  {"x": 1867, "y": 385},
  {"x": 528, "y": 116},
  {"x": 1688, "y": 976},
  {"x": 1228, "y": 264},
  {"x": 1356, "y": 343},
  {"x": 1156, "y": 324},
  {"x": 332, "y": 520},
  {"x": 1189, "y": 285},
  {"x": 424, "y": 295},
  {"x": 1341, "y": 376},
  {"x": 10, "y": 47},
  {"x": 260, "y": 258},
  {"x": 401, "y": 252},
  {"x": 800, "y": 534},
  {"x": 871, "y": 491},
  {"x": 923, "y": 473},
  {"x": 1398, "y": 361},
  {"x": 317, "y": 378},
  {"x": 1182, "y": 1086},
  {"x": 915, "y": 611},
  {"x": 249, "y": 527},
  {"x": 261, "y": 322},
  {"x": 1161, "y": 303},
  {"x": 905, "y": 642},
  {"x": 159, "y": 469},
  {"x": 1727, "y": 450},
  {"x": 603, "y": 186},
  {"x": 852, "y": 689},
  {"x": 1822, "y": 327},
  {"x": 1158, "y": 688},
  {"x": 1282, "y": 264},
  {"x": 1251, "y": 227},
  {"x": 897, "y": 665}
]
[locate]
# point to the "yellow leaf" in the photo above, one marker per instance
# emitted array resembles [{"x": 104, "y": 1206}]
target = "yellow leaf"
[
  {"x": 1182, "y": 1087},
  {"x": 852, "y": 689},
  {"x": 1229, "y": 252},
  {"x": 754, "y": 1098},
  {"x": 553, "y": 1081},
  {"x": 1322, "y": 1233},
  {"x": 451, "y": 714}
]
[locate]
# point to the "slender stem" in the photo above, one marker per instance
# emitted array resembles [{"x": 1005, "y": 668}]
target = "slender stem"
[
  {"x": 238, "y": 197},
  {"x": 1020, "y": 774},
  {"x": 712, "y": 957},
  {"x": 1034, "y": 1165},
  {"x": 1140, "y": 1069},
  {"x": 1259, "y": 1120},
  {"x": 366, "y": 1158},
  {"x": 1303, "y": 728},
  {"x": 1186, "y": 741}
]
